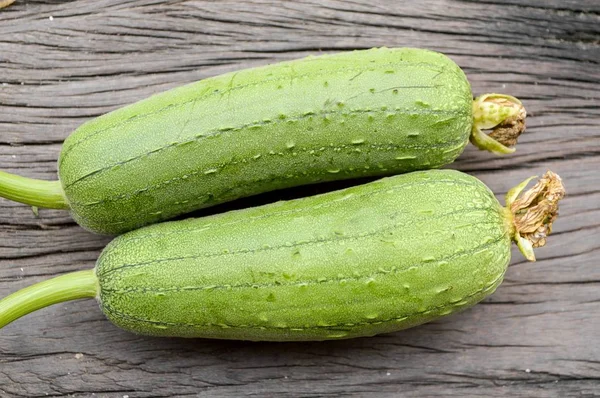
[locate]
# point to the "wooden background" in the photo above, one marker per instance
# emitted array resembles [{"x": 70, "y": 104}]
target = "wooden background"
[{"x": 65, "y": 62}]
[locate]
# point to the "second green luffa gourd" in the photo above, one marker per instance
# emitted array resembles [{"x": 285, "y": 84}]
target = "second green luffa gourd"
[{"x": 373, "y": 258}]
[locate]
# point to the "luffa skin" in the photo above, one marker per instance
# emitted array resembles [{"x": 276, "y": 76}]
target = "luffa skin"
[
  {"x": 365, "y": 260},
  {"x": 362, "y": 113},
  {"x": 318, "y": 119}
]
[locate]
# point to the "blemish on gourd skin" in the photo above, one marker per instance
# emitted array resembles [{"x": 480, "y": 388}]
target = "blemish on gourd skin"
[
  {"x": 406, "y": 157},
  {"x": 444, "y": 289}
]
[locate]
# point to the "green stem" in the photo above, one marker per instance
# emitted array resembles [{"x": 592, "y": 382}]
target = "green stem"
[
  {"x": 32, "y": 192},
  {"x": 72, "y": 286}
]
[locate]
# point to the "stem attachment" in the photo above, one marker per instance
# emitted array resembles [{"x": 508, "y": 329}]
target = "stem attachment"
[
  {"x": 534, "y": 211},
  {"x": 72, "y": 286},
  {"x": 38, "y": 193},
  {"x": 502, "y": 113}
]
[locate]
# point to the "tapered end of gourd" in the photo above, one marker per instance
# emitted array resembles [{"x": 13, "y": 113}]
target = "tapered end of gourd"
[
  {"x": 534, "y": 211},
  {"x": 504, "y": 115}
]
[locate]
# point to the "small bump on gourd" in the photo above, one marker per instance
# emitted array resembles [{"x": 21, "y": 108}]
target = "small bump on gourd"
[
  {"x": 445, "y": 289},
  {"x": 303, "y": 286},
  {"x": 406, "y": 157}
]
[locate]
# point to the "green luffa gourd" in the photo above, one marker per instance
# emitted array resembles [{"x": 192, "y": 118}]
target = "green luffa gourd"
[
  {"x": 374, "y": 258},
  {"x": 354, "y": 114}
]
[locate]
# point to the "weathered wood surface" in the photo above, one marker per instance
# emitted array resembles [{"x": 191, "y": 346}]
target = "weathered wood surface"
[{"x": 64, "y": 62}]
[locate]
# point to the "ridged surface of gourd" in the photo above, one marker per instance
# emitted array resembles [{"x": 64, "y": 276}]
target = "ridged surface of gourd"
[
  {"x": 370, "y": 259},
  {"x": 374, "y": 112}
]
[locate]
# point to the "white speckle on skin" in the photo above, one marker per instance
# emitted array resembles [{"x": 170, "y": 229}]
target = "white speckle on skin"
[
  {"x": 527, "y": 370},
  {"x": 78, "y": 355},
  {"x": 51, "y": 18}
]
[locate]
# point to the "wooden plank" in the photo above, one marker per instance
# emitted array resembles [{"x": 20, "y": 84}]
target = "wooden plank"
[{"x": 64, "y": 62}]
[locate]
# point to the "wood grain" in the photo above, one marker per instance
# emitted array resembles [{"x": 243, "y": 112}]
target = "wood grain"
[{"x": 64, "y": 62}]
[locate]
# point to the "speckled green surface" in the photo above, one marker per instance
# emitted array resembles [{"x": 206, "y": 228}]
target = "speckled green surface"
[
  {"x": 370, "y": 259},
  {"x": 361, "y": 113}
]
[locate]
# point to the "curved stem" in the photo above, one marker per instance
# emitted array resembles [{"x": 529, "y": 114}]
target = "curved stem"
[
  {"x": 72, "y": 286},
  {"x": 505, "y": 115},
  {"x": 32, "y": 192}
]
